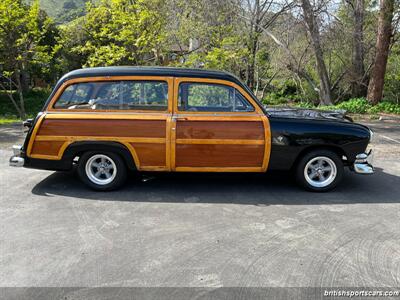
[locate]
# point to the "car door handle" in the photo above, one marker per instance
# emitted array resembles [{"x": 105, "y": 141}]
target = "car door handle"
[{"x": 180, "y": 119}]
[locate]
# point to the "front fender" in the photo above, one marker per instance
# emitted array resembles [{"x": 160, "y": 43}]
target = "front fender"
[{"x": 292, "y": 137}]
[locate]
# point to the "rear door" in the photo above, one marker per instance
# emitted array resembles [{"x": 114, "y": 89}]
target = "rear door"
[
  {"x": 217, "y": 127},
  {"x": 134, "y": 111}
]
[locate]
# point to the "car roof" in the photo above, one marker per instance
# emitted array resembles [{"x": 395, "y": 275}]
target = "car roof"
[{"x": 149, "y": 71}]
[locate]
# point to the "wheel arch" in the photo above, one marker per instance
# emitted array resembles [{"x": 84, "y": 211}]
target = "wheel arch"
[
  {"x": 336, "y": 149},
  {"x": 127, "y": 152}
]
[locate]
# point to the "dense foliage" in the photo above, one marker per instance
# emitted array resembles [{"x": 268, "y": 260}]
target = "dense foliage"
[{"x": 269, "y": 45}]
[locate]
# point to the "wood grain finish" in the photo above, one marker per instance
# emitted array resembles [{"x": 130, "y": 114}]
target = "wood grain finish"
[
  {"x": 163, "y": 141},
  {"x": 49, "y": 148},
  {"x": 219, "y": 141},
  {"x": 114, "y": 128},
  {"x": 150, "y": 154},
  {"x": 145, "y": 139},
  {"x": 251, "y": 130},
  {"x": 219, "y": 155}
]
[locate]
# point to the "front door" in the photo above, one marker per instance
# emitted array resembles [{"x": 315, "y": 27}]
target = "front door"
[{"x": 217, "y": 127}]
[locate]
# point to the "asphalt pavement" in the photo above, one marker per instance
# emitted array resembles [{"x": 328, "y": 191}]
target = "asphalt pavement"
[{"x": 199, "y": 230}]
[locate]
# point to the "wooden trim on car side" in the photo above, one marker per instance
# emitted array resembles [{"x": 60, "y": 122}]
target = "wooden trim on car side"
[
  {"x": 100, "y": 138},
  {"x": 173, "y": 144},
  {"x": 212, "y": 117},
  {"x": 219, "y": 142},
  {"x": 126, "y": 141},
  {"x": 218, "y": 169},
  {"x": 267, "y": 148},
  {"x": 52, "y": 157},
  {"x": 108, "y": 116},
  {"x": 170, "y": 116},
  {"x": 255, "y": 116},
  {"x": 33, "y": 135},
  {"x": 69, "y": 140},
  {"x": 168, "y": 146}
]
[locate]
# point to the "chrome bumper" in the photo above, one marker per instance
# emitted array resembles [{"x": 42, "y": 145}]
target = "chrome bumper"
[
  {"x": 362, "y": 164},
  {"x": 16, "y": 160}
]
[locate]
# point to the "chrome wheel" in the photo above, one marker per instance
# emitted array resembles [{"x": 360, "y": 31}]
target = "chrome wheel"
[
  {"x": 101, "y": 169},
  {"x": 320, "y": 171}
]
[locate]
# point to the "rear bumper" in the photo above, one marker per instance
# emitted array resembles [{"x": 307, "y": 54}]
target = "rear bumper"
[
  {"x": 363, "y": 164},
  {"x": 17, "y": 160}
]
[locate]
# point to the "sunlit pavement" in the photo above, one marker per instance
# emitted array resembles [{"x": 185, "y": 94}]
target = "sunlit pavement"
[{"x": 204, "y": 230}]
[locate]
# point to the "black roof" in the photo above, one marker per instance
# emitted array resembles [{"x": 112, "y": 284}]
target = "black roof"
[{"x": 149, "y": 71}]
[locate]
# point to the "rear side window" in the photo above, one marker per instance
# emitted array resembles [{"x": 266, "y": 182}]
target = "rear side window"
[
  {"x": 74, "y": 95},
  {"x": 115, "y": 95},
  {"x": 212, "y": 98}
]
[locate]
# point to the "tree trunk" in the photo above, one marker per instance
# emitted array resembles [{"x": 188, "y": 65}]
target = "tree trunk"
[
  {"x": 358, "y": 88},
  {"x": 24, "y": 77},
  {"x": 375, "y": 87},
  {"x": 313, "y": 30},
  {"x": 252, "y": 63},
  {"x": 20, "y": 95},
  {"x": 9, "y": 93}
]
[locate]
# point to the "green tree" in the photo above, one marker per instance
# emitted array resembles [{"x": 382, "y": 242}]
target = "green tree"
[
  {"x": 25, "y": 47},
  {"x": 115, "y": 32}
]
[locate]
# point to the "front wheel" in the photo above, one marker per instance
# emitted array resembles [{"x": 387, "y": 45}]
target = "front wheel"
[
  {"x": 319, "y": 171},
  {"x": 102, "y": 171}
]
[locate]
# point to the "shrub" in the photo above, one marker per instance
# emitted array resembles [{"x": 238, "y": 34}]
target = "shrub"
[
  {"x": 34, "y": 101},
  {"x": 284, "y": 92},
  {"x": 387, "y": 107},
  {"x": 356, "y": 106}
]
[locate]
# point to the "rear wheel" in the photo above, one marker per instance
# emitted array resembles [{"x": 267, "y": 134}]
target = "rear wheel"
[
  {"x": 102, "y": 171},
  {"x": 319, "y": 171}
]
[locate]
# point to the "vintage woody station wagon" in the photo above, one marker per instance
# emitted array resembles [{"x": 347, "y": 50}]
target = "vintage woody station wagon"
[{"x": 115, "y": 119}]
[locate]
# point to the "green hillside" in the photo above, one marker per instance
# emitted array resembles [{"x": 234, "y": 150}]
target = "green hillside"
[{"x": 63, "y": 10}]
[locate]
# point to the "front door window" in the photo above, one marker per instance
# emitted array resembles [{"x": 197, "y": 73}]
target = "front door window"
[{"x": 211, "y": 98}]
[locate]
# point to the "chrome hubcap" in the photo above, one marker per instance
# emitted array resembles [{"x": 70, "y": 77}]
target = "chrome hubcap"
[
  {"x": 101, "y": 169},
  {"x": 320, "y": 171}
]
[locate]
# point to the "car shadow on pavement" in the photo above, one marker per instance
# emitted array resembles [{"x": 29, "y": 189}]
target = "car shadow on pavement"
[{"x": 247, "y": 189}]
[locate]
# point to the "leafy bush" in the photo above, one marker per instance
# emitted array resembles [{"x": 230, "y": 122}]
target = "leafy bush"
[
  {"x": 359, "y": 106},
  {"x": 362, "y": 106},
  {"x": 284, "y": 92},
  {"x": 386, "y": 107},
  {"x": 355, "y": 106},
  {"x": 277, "y": 99},
  {"x": 34, "y": 101}
]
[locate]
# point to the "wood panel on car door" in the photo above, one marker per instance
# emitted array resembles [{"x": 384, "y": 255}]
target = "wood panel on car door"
[{"x": 222, "y": 142}]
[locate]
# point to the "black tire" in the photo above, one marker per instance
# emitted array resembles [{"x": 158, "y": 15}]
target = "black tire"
[
  {"x": 319, "y": 185},
  {"x": 117, "y": 180}
]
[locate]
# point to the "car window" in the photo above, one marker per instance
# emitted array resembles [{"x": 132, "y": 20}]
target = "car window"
[
  {"x": 117, "y": 95},
  {"x": 211, "y": 97},
  {"x": 74, "y": 94}
]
